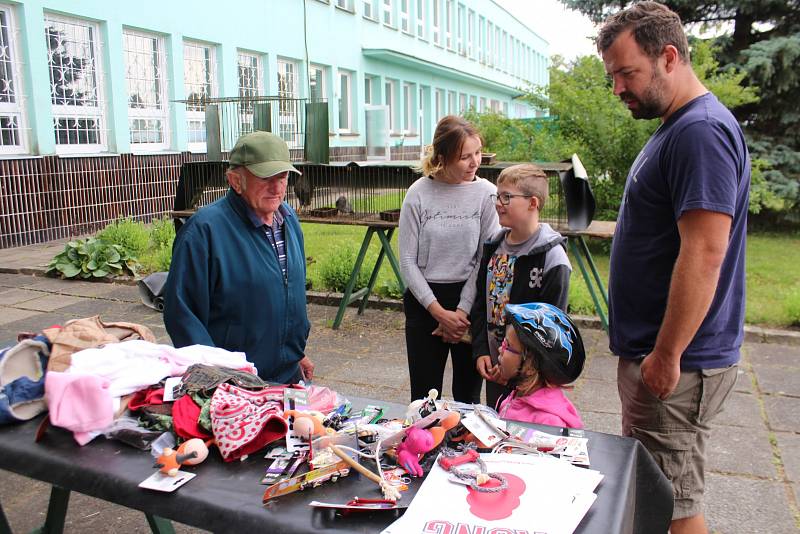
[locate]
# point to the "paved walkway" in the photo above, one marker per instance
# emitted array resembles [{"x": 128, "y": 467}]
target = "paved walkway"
[{"x": 753, "y": 480}]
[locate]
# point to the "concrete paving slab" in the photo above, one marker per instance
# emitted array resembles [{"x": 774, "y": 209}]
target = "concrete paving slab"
[
  {"x": 13, "y": 297},
  {"x": 596, "y": 395},
  {"x": 744, "y": 381},
  {"x": 788, "y": 445},
  {"x": 610, "y": 423},
  {"x": 601, "y": 367},
  {"x": 783, "y": 413},
  {"x": 108, "y": 310},
  {"x": 773, "y": 354},
  {"x": 49, "y": 302},
  {"x": 778, "y": 379},
  {"x": 738, "y": 451},
  {"x": 10, "y": 316},
  {"x": 743, "y": 505},
  {"x": 741, "y": 410}
]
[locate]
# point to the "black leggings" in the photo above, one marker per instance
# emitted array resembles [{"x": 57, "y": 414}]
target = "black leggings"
[{"x": 427, "y": 354}]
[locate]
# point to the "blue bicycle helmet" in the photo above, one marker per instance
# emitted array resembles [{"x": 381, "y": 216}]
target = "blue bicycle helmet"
[{"x": 551, "y": 337}]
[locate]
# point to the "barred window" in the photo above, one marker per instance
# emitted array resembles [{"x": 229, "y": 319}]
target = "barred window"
[
  {"x": 13, "y": 131},
  {"x": 289, "y": 109},
  {"x": 250, "y": 86},
  {"x": 199, "y": 85},
  {"x": 145, "y": 73},
  {"x": 76, "y": 84}
]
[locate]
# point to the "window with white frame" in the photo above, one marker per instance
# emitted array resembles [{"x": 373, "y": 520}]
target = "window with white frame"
[
  {"x": 470, "y": 33},
  {"x": 405, "y": 15},
  {"x": 421, "y": 7},
  {"x": 489, "y": 44},
  {"x": 482, "y": 107},
  {"x": 388, "y": 12},
  {"x": 504, "y": 51},
  {"x": 391, "y": 101},
  {"x": 13, "y": 131},
  {"x": 345, "y": 101},
  {"x": 347, "y": 5},
  {"x": 462, "y": 103},
  {"x": 461, "y": 45},
  {"x": 76, "y": 84},
  {"x": 481, "y": 39},
  {"x": 316, "y": 82},
  {"x": 199, "y": 85},
  {"x": 409, "y": 109},
  {"x": 448, "y": 23},
  {"x": 250, "y": 86},
  {"x": 368, "y": 9},
  {"x": 436, "y": 23},
  {"x": 473, "y": 103},
  {"x": 505, "y": 109},
  {"x": 146, "y": 77},
  {"x": 439, "y": 104},
  {"x": 496, "y": 48},
  {"x": 451, "y": 103},
  {"x": 368, "y": 84},
  {"x": 288, "y": 109}
]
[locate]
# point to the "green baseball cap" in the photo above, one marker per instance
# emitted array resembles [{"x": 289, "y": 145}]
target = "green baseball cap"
[{"x": 264, "y": 154}]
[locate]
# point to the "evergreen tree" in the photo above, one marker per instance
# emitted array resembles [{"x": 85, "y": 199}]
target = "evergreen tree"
[{"x": 762, "y": 39}]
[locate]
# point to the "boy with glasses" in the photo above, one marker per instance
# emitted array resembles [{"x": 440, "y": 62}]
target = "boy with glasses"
[{"x": 525, "y": 262}]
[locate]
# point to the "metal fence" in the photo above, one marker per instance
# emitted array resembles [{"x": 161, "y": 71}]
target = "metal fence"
[
  {"x": 226, "y": 119},
  {"x": 42, "y": 199}
]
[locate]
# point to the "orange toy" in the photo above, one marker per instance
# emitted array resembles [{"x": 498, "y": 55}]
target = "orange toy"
[
  {"x": 190, "y": 452},
  {"x": 306, "y": 424}
]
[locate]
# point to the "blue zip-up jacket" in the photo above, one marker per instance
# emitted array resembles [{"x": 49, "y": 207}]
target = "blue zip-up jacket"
[{"x": 226, "y": 289}]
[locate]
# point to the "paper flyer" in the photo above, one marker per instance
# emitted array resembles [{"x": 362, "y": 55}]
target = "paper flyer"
[{"x": 544, "y": 495}]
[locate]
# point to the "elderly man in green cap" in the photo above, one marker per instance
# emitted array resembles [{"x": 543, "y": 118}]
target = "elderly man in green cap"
[{"x": 238, "y": 273}]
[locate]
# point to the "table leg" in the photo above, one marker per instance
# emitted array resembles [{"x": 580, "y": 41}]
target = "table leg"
[
  {"x": 159, "y": 525},
  {"x": 5, "y": 527},
  {"x": 56, "y": 512},
  {"x": 348, "y": 291},
  {"x": 386, "y": 251},
  {"x": 589, "y": 282},
  {"x": 386, "y": 242}
]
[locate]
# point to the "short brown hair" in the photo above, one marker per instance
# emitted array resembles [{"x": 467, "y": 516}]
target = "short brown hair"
[
  {"x": 449, "y": 137},
  {"x": 653, "y": 25},
  {"x": 529, "y": 178}
]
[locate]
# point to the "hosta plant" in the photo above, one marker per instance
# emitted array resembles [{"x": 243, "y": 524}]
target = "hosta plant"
[{"x": 92, "y": 258}]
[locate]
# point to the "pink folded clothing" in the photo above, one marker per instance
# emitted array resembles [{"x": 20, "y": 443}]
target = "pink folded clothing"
[
  {"x": 81, "y": 403},
  {"x": 246, "y": 421}
]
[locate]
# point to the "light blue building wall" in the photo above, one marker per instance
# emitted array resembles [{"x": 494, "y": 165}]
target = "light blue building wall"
[{"x": 421, "y": 58}]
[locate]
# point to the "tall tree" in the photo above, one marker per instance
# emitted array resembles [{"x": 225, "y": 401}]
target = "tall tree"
[{"x": 761, "y": 37}]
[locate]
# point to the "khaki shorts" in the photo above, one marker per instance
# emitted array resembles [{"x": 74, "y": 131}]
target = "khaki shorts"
[{"x": 675, "y": 430}]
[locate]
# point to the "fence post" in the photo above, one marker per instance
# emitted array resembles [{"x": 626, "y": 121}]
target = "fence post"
[
  {"x": 213, "y": 137},
  {"x": 316, "y": 135}
]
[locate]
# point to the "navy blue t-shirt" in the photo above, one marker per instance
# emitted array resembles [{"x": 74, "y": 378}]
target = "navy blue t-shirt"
[{"x": 697, "y": 159}]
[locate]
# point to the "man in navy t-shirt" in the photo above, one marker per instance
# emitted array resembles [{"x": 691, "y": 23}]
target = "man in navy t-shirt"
[{"x": 677, "y": 282}]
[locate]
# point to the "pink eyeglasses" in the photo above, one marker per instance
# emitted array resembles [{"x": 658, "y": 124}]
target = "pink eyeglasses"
[{"x": 504, "y": 346}]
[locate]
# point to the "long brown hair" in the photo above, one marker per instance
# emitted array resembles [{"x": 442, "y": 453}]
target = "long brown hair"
[{"x": 449, "y": 137}]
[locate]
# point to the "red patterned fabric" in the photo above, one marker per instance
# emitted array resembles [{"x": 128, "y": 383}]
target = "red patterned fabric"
[{"x": 246, "y": 421}]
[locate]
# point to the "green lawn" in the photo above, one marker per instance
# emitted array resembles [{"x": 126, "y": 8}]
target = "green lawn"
[{"x": 773, "y": 284}]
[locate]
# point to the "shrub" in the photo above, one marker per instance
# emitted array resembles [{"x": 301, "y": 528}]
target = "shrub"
[
  {"x": 390, "y": 289},
  {"x": 157, "y": 260},
  {"x": 792, "y": 304},
  {"x": 162, "y": 233},
  {"x": 336, "y": 269},
  {"x": 92, "y": 258},
  {"x": 132, "y": 235}
]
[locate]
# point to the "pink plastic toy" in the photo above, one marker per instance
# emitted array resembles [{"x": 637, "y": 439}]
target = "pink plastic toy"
[{"x": 418, "y": 441}]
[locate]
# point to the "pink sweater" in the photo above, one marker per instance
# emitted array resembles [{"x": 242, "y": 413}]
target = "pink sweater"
[{"x": 545, "y": 406}]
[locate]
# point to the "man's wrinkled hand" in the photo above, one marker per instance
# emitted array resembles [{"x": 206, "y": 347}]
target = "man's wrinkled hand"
[
  {"x": 307, "y": 369},
  {"x": 660, "y": 375}
]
